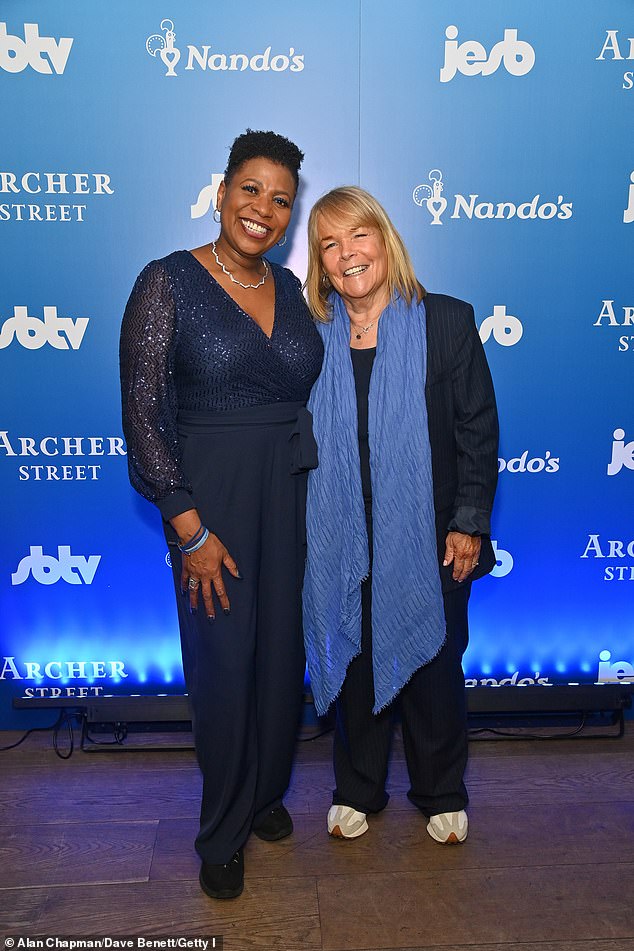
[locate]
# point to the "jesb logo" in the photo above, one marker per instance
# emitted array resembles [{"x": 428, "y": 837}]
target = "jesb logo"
[
  {"x": 44, "y": 54},
  {"x": 62, "y": 333},
  {"x": 46, "y": 569},
  {"x": 622, "y": 453},
  {"x": 470, "y": 58},
  {"x": 164, "y": 46},
  {"x": 614, "y": 671},
  {"x": 507, "y": 329}
]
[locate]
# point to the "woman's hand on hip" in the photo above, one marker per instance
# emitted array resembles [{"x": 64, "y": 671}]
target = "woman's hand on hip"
[
  {"x": 464, "y": 551},
  {"x": 202, "y": 572}
]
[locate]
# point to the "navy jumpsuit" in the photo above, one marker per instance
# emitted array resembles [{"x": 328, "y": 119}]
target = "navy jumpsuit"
[{"x": 214, "y": 418}]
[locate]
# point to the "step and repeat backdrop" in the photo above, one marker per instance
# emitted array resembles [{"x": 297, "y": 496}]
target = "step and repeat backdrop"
[{"x": 498, "y": 135}]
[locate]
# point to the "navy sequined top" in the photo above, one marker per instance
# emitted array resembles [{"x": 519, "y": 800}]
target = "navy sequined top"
[{"x": 187, "y": 347}]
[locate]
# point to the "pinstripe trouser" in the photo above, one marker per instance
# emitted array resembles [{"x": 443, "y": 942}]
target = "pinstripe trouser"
[{"x": 433, "y": 711}]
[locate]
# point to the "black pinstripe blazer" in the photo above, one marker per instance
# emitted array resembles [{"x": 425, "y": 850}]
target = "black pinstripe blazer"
[{"x": 463, "y": 428}]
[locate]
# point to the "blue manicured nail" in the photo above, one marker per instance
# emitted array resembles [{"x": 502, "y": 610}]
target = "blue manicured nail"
[{"x": 226, "y": 611}]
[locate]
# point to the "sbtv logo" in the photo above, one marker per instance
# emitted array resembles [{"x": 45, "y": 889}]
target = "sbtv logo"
[
  {"x": 163, "y": 46},
  {"x": 44, "y": 54},
  {"x": 46, "y": 569},
  {"x": 622, "y": 453},
  {"x": 471, "y": 58},
  {"x": 33, "y": 333},
  {"x": 207, "y": 196},
  {"x": 473, "y": 206}
]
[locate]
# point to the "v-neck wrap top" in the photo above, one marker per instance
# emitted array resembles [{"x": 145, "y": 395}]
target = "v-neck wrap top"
[{"x": 187, "y": 348}]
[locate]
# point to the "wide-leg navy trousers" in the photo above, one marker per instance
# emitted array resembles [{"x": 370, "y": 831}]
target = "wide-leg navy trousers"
[{"x": 244, "y": 671}]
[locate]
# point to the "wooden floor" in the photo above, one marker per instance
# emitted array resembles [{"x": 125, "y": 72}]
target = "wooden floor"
[{"x": 102, "y": 844}]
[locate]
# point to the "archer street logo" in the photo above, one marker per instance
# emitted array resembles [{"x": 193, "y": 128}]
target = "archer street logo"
[
  {"x": 40, "y": 460},
  {"x": 609, "y": 317},
  {"x": 14, "y": 668},
  {"x": 615, "y": 551},
  {"x": 472, "y": 206},
  {"x": 33, "y": 333},
  {"x": 622, "y": 453},
  {"x": 46, "y": 569},
  {"x": 202, "y": 57},
  {"x": 471, "y": 58},
  {"x": 44, "y": 54},
  {"x": 506, "y": 329},
  {"x": 616, "y": 49},
  {"x": 30, "y": 184}
]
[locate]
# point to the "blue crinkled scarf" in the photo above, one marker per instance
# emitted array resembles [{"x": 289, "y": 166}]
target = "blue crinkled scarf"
[{"x": 408, "y": 621}]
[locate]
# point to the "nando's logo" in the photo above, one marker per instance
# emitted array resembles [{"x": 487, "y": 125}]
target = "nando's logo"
[
  {"x": 475, "y": 206},
  {"x": 203, "y": 56}
]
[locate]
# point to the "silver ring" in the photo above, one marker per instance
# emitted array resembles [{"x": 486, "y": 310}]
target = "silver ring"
[{"x": 193, "y": 584}]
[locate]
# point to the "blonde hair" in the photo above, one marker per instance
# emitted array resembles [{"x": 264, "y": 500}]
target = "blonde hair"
[{"x": 356, "y": 207}]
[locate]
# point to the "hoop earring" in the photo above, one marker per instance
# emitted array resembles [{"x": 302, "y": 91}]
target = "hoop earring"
[
  {"x": 216, "y": 212},
  {"x": 281, "y": 243}
]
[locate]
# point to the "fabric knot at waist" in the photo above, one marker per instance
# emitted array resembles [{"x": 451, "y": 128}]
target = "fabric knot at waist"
[{"x": 294, "y": 414}]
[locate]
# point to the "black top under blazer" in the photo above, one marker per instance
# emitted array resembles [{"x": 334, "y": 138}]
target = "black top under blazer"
[{"x": 463, "y": 429}]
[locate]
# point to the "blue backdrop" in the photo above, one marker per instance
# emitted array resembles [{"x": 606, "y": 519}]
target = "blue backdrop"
[{"x": 499, "y": 137}]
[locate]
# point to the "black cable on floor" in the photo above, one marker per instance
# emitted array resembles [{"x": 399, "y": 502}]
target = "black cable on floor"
[
  {"x": 531, "y": 736},
  {"x": 64, "y": 719}
]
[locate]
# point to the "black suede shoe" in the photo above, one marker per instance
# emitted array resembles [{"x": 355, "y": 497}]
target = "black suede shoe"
[
  {"x": 277, "y": 825},
  {"x": 223, "y": 881}
]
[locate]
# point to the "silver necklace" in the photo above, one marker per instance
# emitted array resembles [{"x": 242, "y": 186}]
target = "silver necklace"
[
  {"x": 225, "y": 270},
  {"x": 364, "y": 330}
]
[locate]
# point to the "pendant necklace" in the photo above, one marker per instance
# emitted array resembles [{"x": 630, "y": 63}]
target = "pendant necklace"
[
  {"x": 364, "y": 330},
  {"x": 225, "y": 270}
]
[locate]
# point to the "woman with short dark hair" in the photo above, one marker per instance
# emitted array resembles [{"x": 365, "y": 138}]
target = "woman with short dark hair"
[{"x": 218, "y": 355}]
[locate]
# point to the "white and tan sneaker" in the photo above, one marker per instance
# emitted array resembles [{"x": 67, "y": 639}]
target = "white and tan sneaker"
[
  {"x": 344, "y": 822},
  {"x": 449, "y": 828}
]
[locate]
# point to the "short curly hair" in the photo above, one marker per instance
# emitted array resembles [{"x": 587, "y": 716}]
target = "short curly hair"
[{"x": 269, "y": 145}]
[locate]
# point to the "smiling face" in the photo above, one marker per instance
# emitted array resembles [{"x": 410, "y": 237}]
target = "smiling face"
[
  {"x": 255, "y": 207},
  {"x": 355, "y": 262}
]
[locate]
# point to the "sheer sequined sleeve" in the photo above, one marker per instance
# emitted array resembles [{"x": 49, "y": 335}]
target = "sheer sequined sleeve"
[{"x": 149, "y": 395}]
